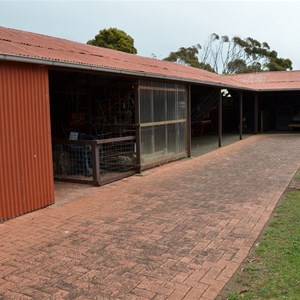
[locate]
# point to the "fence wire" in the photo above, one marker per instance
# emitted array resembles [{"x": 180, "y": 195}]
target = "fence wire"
[{"x": 74, "y": 162}]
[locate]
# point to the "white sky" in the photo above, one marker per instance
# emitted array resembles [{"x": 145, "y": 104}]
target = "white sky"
[{"x": 160, "y": 27}]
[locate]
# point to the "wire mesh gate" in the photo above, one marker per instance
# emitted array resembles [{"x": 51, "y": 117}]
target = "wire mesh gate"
[{"x": 97, "y": 161}]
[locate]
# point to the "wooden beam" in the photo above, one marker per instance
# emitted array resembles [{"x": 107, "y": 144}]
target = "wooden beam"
[
  {"x": 189, "y": 124},
  {"x": 220, "y": 120},
  {"x": 137, "y": 101},
  {"x": 256, "y": 114},
  {"x": 151, "y": 124},
  {"x": 96, "y": 164},
  {"x": 241, "y": 115}
]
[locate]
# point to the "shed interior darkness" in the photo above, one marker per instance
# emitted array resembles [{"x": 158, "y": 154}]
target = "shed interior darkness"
[
  {"x": 205, "y": 119},
  {"x": 95, "y": 106},
  {"x": 280, "y": 111},
  {"x": 88, "y": 108}
]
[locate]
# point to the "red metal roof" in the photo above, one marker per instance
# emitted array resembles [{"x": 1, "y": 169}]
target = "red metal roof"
[
  {"x": 36, "y": 46},
  {"x": 272, "y": 81},
  {"x": 22, "y": 44}
]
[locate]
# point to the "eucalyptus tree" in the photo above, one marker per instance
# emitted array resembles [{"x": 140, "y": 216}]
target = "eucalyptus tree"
[{"x": 225, "y": 55}]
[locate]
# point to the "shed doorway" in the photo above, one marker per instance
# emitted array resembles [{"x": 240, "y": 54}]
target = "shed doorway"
[
  {"x": 107, "y": 127},
  {"x": 206, "y": 118},
  {"x": 93, "y": 126},
  {"x": 280, "y": 111}
]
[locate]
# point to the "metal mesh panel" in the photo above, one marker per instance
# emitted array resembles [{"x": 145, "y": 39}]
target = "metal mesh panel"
[
  {"x": 159, "y": 106},
  {"x": 72, "y": 161},
  {"x": 160, "y": 135},
  {"x": 162, "y": 102},
  {"x": 159, "y": 141},
  {"x": 181, "y": 105},
  {"x": 146, "y": 106},
  {"x": 171, "y": 105},
  {"x": 115, "y": 158},
  {"x": 98, "y": 161},
  {"x": 147, "y": 141},
  {"x": 163, "y": 120},
  {"x": 172, "y": 138},
  {"x": 181, "y": 137}
]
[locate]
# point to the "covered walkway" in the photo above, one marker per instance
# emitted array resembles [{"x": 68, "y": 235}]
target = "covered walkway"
[{"x": 178, "y": 232}]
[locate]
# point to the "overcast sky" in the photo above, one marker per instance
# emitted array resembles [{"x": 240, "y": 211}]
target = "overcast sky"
[{"x": 159, "y": 27}]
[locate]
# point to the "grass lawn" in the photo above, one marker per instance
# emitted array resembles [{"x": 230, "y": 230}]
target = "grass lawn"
[{"x": 272, "y": 269}]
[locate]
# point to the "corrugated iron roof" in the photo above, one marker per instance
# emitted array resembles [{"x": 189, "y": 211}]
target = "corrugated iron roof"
[
  {"x": 36, "y": 46},
  {"x": 43, "y": 49},
  {"x": 270, "y": 81}
]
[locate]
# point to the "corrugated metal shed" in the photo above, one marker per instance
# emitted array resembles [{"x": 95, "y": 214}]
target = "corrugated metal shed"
[
  {"x": 16, "y": 43},
  {"x": 26, "y": 177}
]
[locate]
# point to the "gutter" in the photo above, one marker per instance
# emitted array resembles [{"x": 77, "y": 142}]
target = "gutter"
[
  {"x": 23, "y": 59},
  {"x": 279, "y": 90}
]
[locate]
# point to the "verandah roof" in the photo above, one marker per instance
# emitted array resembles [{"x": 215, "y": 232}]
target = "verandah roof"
[
  {"x": 22, "y": 45},
  {"x": 17, "y": 45}
]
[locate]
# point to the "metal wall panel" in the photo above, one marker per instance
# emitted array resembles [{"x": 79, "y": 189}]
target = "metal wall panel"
[{"x": 26, "y": 172}]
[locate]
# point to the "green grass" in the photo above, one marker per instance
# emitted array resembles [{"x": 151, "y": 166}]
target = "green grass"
[{"x": 273, "y": 269}]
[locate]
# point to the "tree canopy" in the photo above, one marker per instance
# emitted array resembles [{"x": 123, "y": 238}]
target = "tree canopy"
[
  {"x": 189, "y": 56},
  {"x": 114, "y": 38},
  {"x": 221, "y": 54}
]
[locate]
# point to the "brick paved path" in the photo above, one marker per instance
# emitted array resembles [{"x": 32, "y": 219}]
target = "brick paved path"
[{"x": 178, "y": 233}]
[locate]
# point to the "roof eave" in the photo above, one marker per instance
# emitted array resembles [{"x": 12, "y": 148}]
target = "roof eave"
[
  {"x": 25, "y": 59},
  {"x": 279, "y": 90}
]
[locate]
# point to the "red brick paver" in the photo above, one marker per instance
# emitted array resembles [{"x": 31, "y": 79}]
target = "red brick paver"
[{"x": 178, "y": 233}]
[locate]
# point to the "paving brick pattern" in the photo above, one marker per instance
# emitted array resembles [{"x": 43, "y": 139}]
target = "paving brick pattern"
[{"x": 180, "y": 232}]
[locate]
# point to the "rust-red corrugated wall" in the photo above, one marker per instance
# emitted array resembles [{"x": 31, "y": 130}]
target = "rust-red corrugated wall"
[{"x": 26, "y": 173}]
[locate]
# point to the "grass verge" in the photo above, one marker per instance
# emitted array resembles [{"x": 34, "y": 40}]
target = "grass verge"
[{"x": 272, "y": 269}]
